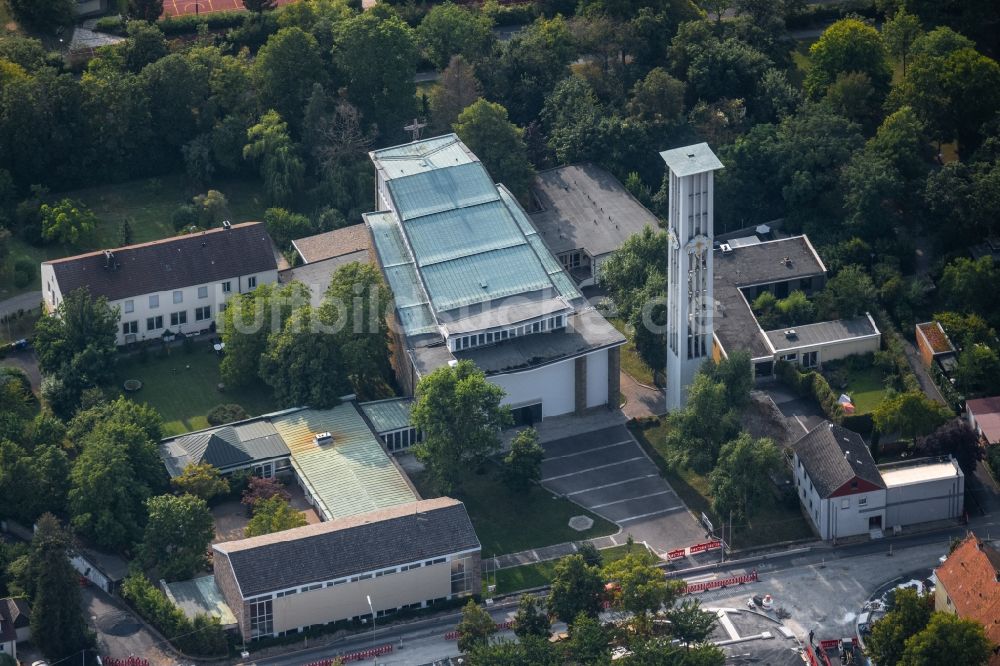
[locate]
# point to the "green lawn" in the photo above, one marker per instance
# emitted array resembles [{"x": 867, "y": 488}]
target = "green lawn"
[
  {"x": 509, "y": 522},
  {"x": 866, "y": 389},
  {"x": 631, "y": 361},
  {"x": 772, "y": 521},
  {"x": 148, "y": 204},
  {"x": 536, "y": 575},
  {"x": 183, "y": 387}
]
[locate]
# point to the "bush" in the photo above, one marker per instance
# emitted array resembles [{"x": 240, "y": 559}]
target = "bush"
[
  {"x": 252, "y": 34},
  {"x": 24, "y": 272},
  {"x": 810, "y": 383},
  {"x": 188, "y": 23},
  {"x": 863, "y": 424},
  {"x": 227, "y": 413},
  {"x": 114, "y": 25},
  {"x": 202, "y": 636},
  {"x": 993, "y": 459},
  {"x": 506, "y": 15},
  {"x": 185, "y": 216},
  {"x": 815, "y": 15}
]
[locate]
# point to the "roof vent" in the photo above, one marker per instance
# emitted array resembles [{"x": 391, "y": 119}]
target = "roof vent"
[
  {"x": 691, "y": 155},
  {"x": 787, "y": 262},
  {"x": 110, "y": 262},
  {"x": 483, "y": 284},
  {"x": 726, "y": 248},
  {"x": 226, "y": 224},
  {"x": 322, "y": 438},
  {"x": 790, "y": 334}
]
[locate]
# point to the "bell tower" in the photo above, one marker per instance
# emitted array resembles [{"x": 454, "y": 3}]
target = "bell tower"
[{"x": 689, "y": 266}]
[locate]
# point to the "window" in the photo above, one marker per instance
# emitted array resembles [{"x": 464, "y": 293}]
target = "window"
[
  {"x": 845, "y": 503},
  {"x": 251, "y": 282},
  {"x": 222, "y": 307},
  {"x": 178, "y": 318},
  {"x": 130, "y": 327},
  {"x": 536, "y": 327},
  {"x": 261, "y": 619},
  {"x": 287, "y": 593},
  {"x": 854, "y": 484},
  {"x": 178, "y": 297},
  {"x": 310, "y": 588},
  {"x": 153, "y": 323},
  {"x": 202, "y": 292},
  {"x": 862, "y": 501},
  {"x": 806, "y": 284},
  {"x": 227, "y": 287},
  {"x": 203, "y": 313},
  {"x": 809, "y": 359},
  {"x": 129, "y": 306},
  {"x": 791, "y": 358},
  {"x": 461, "y": 575},
  {"x": 154, "y": 301}
]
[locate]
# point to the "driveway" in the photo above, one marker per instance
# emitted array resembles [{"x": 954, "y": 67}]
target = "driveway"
[
  {"x": 606, "y": 471},
  {"x": 119, "y": 632},
  {"x": 801, "y": 413}
]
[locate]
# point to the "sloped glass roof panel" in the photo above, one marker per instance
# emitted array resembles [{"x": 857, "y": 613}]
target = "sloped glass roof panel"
[
  {"x": 426, "y": 155},
  {"x": 417, "y": 319},
  {"x": 404, "y": 284},
  {"x": 565, "y": 285},
  {"x": 548, "y": 261},
  {"x": 457, "y": 233},
  {"x": 484, "y": 277},
  {"x": 388, "y": 239},
  {"x": 388, "y": 415},
  {"x": 431, "y": 192},
  {"x": 515, "y": 210}
]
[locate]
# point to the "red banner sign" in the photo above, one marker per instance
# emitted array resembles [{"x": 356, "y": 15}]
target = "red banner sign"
[
  {"x": 715, "y": 544},
  {"x": 677, "y": 554},
  {"x": 723, "y": 582}
]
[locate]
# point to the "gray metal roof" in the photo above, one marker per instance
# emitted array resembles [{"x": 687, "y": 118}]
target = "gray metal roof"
[
  {"x": 416, "y": 157},
  {"x": 822, "y": 333},
  {"x": 584, "y": 206},
  {"x": 234, "y": 445},
  {"x": 325, "y": 551},
  {"x": 388, "y": 415},
  {"x": 833, "y": 455},
  {"x": 690, "y": 160}
]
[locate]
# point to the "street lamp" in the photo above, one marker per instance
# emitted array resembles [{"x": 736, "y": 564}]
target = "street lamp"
[{"x": 369, "y": 598}]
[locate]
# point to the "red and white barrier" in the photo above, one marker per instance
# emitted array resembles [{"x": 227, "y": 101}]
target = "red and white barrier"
[
  {"x": 127, "y": 661},
  {"x": 361, "y": 655},
  {"x": 501, "y": 626},
  {"x": 704, "y": 586}
]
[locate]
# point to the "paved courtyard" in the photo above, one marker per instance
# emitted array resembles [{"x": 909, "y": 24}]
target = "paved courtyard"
[{"x": 606, "y": 471}]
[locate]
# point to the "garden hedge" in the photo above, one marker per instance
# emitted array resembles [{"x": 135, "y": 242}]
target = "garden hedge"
[{"x": 810, "y": 383}]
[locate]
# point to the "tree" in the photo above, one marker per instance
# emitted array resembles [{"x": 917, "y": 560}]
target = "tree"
[
  {"x": 847, "y": 294},
  {"x": 456, "y": 89},
  {"x": 145, "y": 44},
  {"x": 50, "y": 467},
  {"x": 630, "y": 268},
  {"x": 853, "y": 96},
  {"x": 640, "y": 588},
  {"x": 354, "y": 308},
  {"x": 145, "y": 10},
  {"x": 201, "y": 480},
  {"x": 849, "y": 45},
  {"x": 461, "y": 417},
  {"x": 68, "y": 222},
  {"x": 260, "y": 489},
  {"x": 475, "y": 627},
  {"x": 957, "y": 439},
  {"x": 589, "y": 643},
  {"x": 177, "y": 535},
  {"x": 281, "y": 168},
  {"x": 284, "y": 227},
  {"x": 690, "y": 623},
  {"x": 968, "y": 285},
  {"x": 274, "y": 514},
  {"x": 911, "y": 414},
  {"x": 978, "y": 370},
  {"x": 658, "y": 97},
  {"x": 381, "y": 88},
  {"x": 899, "y": 33},
  {"x": 285, "y": 70},
  {"x": 588, "y": 551},
  {"x": 965, "y": 330},
  {"x": 963, "y": 640},
  {"x": 530, "y": 619},
  {"x": 708, "y": 420},
  {"x": 533, "y": 650},
  {"x": 248, "y": 322},
  {"x": 736, "y": 479},
  {"x": 523, "y": 464},
  {"x": 18, "y": 482},
  {"x": 776, "y": 97},
  {"x": 259, "y": 6},
  {"x": 872, "y": 190},
  {"x": 449, "y": 30},
  {"x": 301, "y": 365},
  {"x": 909, "y": 615},
  {"x": 726, "y": 69},
  {"x": 576, "y": 589},
  {"x": 43, "y": 15},
  {"x": 484, "y": 128},
  {"x": 57, "y": 624}
]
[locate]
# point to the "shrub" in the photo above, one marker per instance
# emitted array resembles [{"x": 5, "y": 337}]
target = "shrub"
[
  {"x": 189, "y": 23},
  {"x": 114, "y": 25},
  {"x": 993, "y": 459},
  {"x": 226, "y": 413},
  {"x": 863, "y": 424},
  {"x": 810, "y": 383},
  {"x": 24, "y": 272},
  {"x": 202, "y": 636},
  {"x": 814, "y": 15},
  {"x": 505, "y": 15},
  {"x": 184, "y": 216}
]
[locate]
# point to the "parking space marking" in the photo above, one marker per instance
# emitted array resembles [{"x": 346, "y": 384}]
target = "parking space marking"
[
  {"x": 608, "y": 485},
  {"x": 591, "y": 469},
  {"x": 629, "y": 499},
  {"x": 651, "y": 513},
  {"x": 580, "y": 453}
]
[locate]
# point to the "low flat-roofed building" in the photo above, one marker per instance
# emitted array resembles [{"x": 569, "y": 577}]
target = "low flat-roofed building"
[
  {"x": 472, "y": 279},
  {"x": 585, "y": 215},
  {"x": 969, "y": 587},
  {"x": 390, "y": 420},
  {"x": 751, "y": 267},
  {"x": 252, "y": 444},
  {"x": 923, "y": 490},
  {"x": 405, "y": 557},
  {"x": 983, "y": 415},
  {"x": 200, "y": 596}
]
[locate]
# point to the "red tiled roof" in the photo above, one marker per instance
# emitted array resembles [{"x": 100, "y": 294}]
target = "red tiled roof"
[
  {"x": 969, "y": 576},
  {"x": 987, "y": 413},
  {"x": 334, "y": 243}
]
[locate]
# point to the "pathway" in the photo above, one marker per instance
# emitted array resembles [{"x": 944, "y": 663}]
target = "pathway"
[
  {"x": 26, "y": 301},
  {"x": 923, "y": 377},
  {"x": 641, "y": 401},
  {"x": 86, "y": 37}
]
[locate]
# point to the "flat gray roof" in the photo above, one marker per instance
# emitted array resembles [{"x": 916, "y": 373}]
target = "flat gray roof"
[
  {"x": 200, "y": 595},
  {"x": 584, "y": 206},
  {"x": 317, "y": 275},
  {"x": 824, "y": 332},
  {"x": 690, "y": 160}
]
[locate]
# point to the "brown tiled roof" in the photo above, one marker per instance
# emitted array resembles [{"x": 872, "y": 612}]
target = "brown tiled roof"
[
  {"x": 334, "y": 243},
  {"x": 346, "y": 546},
  {"x": 170, "y": 263},
  {"x": 987, "y": 413},
  {"x": 970, "y": 577},
  {"x": 833, "y": 455},
  {"x": 13, "y": 616}
]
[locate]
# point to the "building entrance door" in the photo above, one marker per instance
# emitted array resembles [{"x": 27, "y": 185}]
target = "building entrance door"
[{"x": 527, "y": 415}]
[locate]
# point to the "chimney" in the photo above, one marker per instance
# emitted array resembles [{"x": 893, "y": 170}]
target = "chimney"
[
  {"x": 227, "y": 225},
  {"x": 322, "y": 438}
]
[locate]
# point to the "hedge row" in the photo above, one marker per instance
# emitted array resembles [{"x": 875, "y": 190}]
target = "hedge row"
[
  {"x": 201, "y": 637},
  {"x": 817, "y": 15},
  {"x": 810, "y": 383},
  {"x": 508, "y": 15},
  {"x": 189, "y": 23}
]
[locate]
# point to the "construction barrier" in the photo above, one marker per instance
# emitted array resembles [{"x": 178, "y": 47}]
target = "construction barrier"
[
  {"x": 678, "y": 554},
  {"x": 127, "y": 661},
  {"x": 501, "y": 626},
  {"x": 361, "y": 655},
  {"x": 704, "y": 586},
  {"x": 714, "y": 544}
]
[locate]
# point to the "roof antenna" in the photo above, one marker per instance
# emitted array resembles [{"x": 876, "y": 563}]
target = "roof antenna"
[{"x": 414, "y": 128}]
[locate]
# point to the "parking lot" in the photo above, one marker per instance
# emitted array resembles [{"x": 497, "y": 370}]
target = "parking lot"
[{"x": 607, "y": 472}]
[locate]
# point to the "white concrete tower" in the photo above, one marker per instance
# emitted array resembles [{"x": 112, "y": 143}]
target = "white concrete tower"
[{"x": 689, "y": 266}]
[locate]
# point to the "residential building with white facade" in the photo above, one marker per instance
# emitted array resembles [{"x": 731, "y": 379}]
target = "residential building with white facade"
[
  {"x": 472, "y": 279},
  {"x": 174, "y": 285}
]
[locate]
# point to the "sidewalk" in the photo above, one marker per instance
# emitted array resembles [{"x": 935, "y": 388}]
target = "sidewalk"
[
  {"x": 558, "y": 551},
  {"x": 26, "y": 301}
]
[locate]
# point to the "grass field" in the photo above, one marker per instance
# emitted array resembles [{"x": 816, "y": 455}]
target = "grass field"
[
  {"x": 183, "y": 387},
  {"x": 536, "y": 575},
  {"x": 865, "y": 388},
  {"x": 631, "y": 362},
  {"x": 148, "y": 205},
  {"x": 772, "y": 521},
  {"x": 509, "y": 522}
]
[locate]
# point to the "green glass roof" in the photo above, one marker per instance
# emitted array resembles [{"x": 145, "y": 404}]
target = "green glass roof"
[
  {"x": 442, "y": 189},
  {"x": 388, "y": 415},
  {"x": 462, "y": 232},
  {"x": 483, "y": 277},
  {"x": 426, "y": 155}
]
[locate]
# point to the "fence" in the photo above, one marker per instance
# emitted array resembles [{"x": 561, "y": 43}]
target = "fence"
[
  {"x": 127, "y": 661},
  {"x": 360, "y": 655},
  {"x": 704, "y": 586}
]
